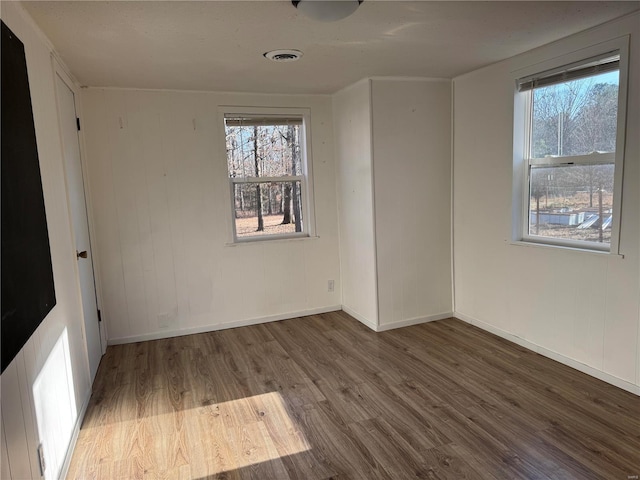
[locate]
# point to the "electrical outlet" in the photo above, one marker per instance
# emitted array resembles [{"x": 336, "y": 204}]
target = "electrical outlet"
[{"x": 331, "y": 285}]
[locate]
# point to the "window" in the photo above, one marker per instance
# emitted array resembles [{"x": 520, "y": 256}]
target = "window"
[
  {"x": 571, "y": 140},
  {"x": 268, "y": 175}
]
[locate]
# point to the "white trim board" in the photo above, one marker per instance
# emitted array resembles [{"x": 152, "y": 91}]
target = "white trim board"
[
  {"x": 394, "y": 325},
  {"x": 275, "y": 318},
  {"x": 374, "y": 217},
  {"x": 74, "y": 436},
  {"x": 222, "y": 326},
  {"x": 366, "y": 322},
  {"x": 570, "y": 362},
  {"x": 220, "y": 92},
  {"x": 395, "y": 78},
  {"x": 413, "y": 321}
]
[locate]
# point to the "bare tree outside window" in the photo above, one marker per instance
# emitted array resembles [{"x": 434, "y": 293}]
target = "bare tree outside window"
[{"x": 264, "y": 160}]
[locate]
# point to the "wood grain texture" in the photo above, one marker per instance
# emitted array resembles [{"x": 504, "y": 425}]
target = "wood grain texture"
[{"x": 324, "y": 397}]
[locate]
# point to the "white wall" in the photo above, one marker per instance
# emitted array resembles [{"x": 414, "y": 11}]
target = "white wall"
[
  {"x": 21, "y": 390},
  {"x": 393, "y": 156},
  {"x": 159, "y": 187},
  {"x": 580, "y": 308},
  {"x": 354, "y": 167},
  {"x": 412, "y": 166}
]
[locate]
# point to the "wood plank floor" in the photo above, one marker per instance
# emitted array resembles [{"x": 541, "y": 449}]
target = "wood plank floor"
[{"x": 324, "y": 397}]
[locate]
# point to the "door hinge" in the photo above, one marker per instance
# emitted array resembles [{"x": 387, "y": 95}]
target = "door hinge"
[
  {"x": 43, "y": 466},
  {"x": 78, "y": 123},
  {"x": 99, "y": 316}
]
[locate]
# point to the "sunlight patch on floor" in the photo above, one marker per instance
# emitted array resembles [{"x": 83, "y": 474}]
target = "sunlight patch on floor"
[{"x": 204, "y": 440}]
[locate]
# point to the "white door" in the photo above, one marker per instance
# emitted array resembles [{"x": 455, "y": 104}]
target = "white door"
[{"x": 75, "y": 186}]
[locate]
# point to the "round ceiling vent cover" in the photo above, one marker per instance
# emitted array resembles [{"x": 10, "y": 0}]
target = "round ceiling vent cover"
[{"x": 283, "y": 55}]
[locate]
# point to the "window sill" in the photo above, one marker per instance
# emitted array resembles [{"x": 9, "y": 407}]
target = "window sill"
[
  {"x": 261, "y": 241},
  {"x": 524, "y": 243}
]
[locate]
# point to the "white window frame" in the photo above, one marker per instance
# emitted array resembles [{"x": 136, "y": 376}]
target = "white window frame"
[
  {"x": 521, "y": 149},
  {"x": 306, "y": 179}
]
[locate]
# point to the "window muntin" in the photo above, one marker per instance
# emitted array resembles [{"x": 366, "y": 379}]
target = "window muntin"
[
  {"x": 571, "y": 153},
  {"x": 266, "y": 163}
]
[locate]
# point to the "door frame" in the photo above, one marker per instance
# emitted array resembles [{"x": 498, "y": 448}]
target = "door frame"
[{"x": 59, "y": 70}]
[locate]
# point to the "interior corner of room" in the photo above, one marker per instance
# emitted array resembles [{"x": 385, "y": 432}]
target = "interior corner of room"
[{"x": 403, "y": 191}]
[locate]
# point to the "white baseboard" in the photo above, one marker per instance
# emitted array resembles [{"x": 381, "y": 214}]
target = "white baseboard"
[
  {"x": 74, "y": 437},
  {"x": 558, "y": 357},
  {"x": 390, "y": 326},
  {"x": 365, "y": 321},
  {"x": 221, "y": 326},
  {"x": 413, "y": 321}
]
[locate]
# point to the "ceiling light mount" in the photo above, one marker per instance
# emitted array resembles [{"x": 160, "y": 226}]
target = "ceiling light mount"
[
  {"x": 327, "y": 10},
  {"x": 283, "y": 55}
]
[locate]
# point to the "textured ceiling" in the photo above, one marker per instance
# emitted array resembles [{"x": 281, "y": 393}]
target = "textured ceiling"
[{"x": 218, "y": 45}]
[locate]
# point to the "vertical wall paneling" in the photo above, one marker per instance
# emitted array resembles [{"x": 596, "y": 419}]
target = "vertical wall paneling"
[
  {"x": 130, "y": 206},
  {"x": 5, "y": 470},
  {"x": 393, "y": 152},
  {"x": 161, "y": 203},
  {"x": 107, "y": 240},
  {"x": 412, "y": 162},
  {"x": 14, "y": 425}
]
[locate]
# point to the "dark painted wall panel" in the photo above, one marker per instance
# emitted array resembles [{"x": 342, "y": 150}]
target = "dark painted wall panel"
[{"x": 28, "y": 292}]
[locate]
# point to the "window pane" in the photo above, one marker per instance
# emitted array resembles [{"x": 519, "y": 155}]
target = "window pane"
[
  {"x": 262, "y": 150},
  {"x": 576, "y": 117},
  {"x": 572, "y": 202},
  {"x": 273, "y": 208}
]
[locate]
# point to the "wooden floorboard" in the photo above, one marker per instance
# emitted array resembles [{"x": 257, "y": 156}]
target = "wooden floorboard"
[{"x": 324, "y": 397}]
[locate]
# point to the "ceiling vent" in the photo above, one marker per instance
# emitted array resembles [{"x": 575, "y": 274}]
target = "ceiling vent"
[{"x": 283, "y": 55}]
